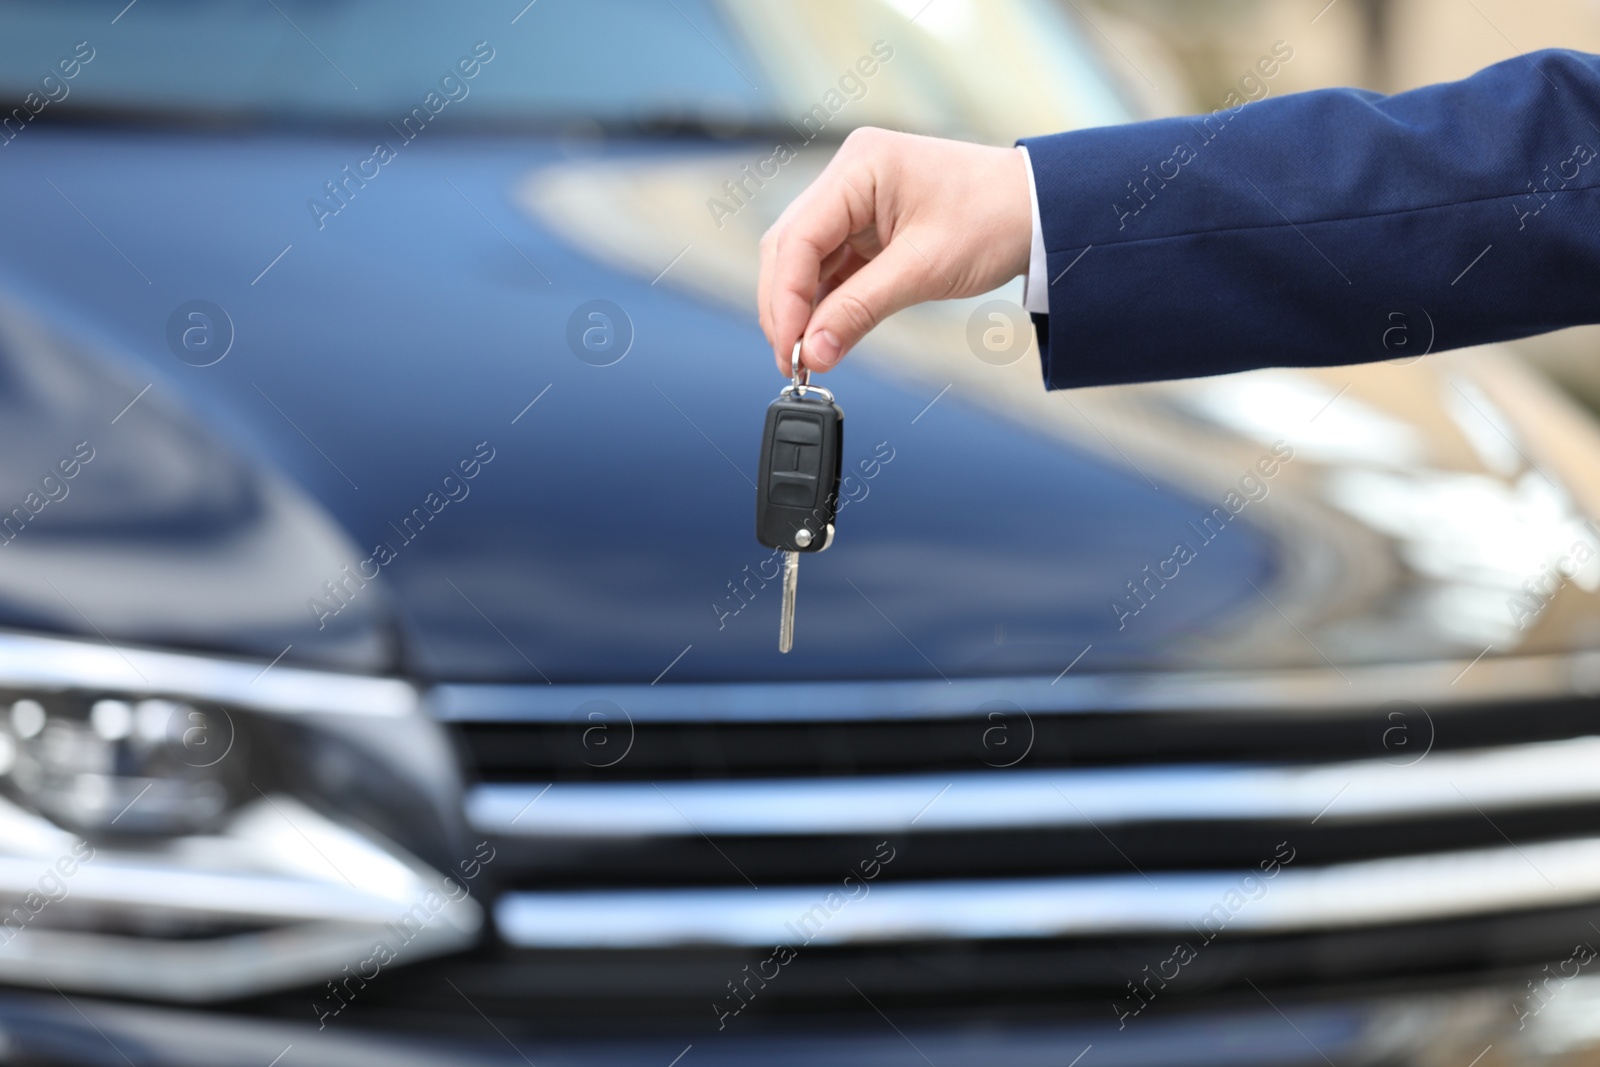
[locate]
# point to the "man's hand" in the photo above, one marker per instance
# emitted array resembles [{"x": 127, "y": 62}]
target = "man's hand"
[{"x": 894, "y": 220}]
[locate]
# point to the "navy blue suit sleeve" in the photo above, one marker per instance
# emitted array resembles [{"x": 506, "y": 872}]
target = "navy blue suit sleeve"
[{"x": 1324, "y": 228}]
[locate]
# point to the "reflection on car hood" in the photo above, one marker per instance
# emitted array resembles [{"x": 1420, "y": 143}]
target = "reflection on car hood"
[
  {"x": 1433, "y": 508},
  {"x": 606, "y": 531}
]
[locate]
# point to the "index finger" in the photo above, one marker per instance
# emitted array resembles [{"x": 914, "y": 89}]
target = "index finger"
[{"x": 819, "y": 221}]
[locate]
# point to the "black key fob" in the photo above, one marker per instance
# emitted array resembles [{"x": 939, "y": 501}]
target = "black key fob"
[{"x": 798, "y": 491}]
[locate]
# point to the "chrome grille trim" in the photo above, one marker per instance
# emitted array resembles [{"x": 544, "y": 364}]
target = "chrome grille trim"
[
  {"x": 1355, "y": 688},
  {"x": 1441, "y": 783},
  {"x": 1343, "y": 896}
]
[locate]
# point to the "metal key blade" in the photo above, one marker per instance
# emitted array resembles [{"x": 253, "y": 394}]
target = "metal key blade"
[{"x": 791, "y": 580}]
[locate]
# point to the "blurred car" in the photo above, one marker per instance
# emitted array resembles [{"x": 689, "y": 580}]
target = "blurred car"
[{"x": 389, "y": 670}]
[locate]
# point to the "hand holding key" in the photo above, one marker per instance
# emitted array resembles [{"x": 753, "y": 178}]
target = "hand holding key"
[
  {"x": 894, "y": 219},
  {"x": 797, "y": 494}
]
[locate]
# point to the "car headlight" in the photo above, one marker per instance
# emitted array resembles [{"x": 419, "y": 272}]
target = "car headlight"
[
  {"x": 189, "y": 828},
  {"x": 103, "y": 765}
]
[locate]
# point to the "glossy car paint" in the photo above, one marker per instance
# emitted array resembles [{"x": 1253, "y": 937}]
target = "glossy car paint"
[{"x": 610, "y": 530}]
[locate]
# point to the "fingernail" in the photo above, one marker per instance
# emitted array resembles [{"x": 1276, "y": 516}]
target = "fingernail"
[{"x": 822, "y": 349}]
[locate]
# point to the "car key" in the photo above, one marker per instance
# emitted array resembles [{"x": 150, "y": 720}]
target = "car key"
[{"x": 798, "y": 493}]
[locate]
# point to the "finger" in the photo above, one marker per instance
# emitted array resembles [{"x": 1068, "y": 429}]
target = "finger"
[
  {"x": 768, "y": 261},
  {"x": 894, "y": 280},
  {"x": 823, "y": 220},
  {"x": 769, "y": 255},
  {"x": 763, "y": 280}
]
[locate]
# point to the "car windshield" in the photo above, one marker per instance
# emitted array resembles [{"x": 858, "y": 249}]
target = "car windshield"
[{"x": 986, "y": 69}]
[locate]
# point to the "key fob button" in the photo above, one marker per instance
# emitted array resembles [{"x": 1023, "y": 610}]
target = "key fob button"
[
  {"x": 793, "y": 490},
  {"x": 800, "y": 429}
]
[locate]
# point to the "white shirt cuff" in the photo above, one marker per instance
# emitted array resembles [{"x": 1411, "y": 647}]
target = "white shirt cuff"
[{"x": 1036, "y": 286}]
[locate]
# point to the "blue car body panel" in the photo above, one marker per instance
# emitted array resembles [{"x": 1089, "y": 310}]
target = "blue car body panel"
[{"x": 612, "y": 529}]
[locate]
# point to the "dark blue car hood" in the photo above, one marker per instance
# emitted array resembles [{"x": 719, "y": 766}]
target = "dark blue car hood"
[{"x": 610, "y": 534}]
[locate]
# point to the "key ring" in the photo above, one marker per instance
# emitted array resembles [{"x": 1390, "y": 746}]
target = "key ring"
[
  {"x": 800, "y": 384},
  {"x": 800, "y": 379}
]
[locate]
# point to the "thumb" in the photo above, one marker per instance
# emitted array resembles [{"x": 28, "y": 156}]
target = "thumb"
[{"x": 896, "y": 278}]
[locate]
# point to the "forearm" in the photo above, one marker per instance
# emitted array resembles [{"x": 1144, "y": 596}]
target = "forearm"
[{"x": 1292, "y": 231}]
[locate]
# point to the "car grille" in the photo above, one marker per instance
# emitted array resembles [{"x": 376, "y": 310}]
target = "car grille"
[{"x": 1295, "y": 827}]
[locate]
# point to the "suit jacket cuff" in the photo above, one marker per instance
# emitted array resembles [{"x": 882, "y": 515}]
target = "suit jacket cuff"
[{"x": 1035, "y": 286}]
